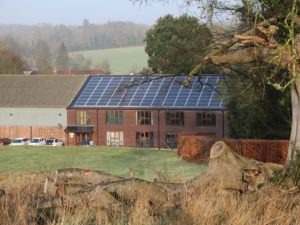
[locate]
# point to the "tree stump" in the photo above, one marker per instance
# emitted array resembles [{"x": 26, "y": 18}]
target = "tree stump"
[{"x": 230, "y": 171}]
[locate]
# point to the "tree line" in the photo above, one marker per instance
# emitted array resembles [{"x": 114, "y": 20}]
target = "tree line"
[
  {"x": 43, "y": 45},
  {"x": 77, "y": 38}
]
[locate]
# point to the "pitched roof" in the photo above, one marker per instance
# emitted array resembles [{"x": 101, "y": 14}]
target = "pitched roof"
[
  {"x": 150, "y": 92},
  {"x": 41, "y": 91}
]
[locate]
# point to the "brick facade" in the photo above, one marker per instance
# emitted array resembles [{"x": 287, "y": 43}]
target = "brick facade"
[{"x": 129, "y": 128}]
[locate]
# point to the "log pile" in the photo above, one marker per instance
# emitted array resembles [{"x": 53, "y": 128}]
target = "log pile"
[{"x": 113, "y": 195}]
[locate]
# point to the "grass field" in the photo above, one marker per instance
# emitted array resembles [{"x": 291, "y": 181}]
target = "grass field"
[
  {"x": 121, "y": 60},
  {"x": 143, "y": 163}
]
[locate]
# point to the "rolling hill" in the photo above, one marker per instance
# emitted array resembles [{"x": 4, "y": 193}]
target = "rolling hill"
[{"x": 121, "y": 60}]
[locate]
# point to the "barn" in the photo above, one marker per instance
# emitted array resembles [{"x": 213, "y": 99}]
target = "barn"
[
  {"x": 145, "y": 111},
  {"x": 36, "y": 105}
]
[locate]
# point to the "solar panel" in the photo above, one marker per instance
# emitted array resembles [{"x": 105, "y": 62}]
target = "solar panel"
[
  {"x": 162, "y": 91},
  {"x": 183, "y": 96},
  {"x": 150, "y": 91}
]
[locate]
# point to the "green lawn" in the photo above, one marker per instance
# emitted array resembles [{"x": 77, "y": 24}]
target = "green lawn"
[
  {"x": 121, "y": 60},
  {"x": 144, "y": 163}
]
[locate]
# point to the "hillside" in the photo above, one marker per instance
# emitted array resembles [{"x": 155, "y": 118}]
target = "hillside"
[
  {"x": 43, "y": 41},
  {"x": 121, "y": 60}
]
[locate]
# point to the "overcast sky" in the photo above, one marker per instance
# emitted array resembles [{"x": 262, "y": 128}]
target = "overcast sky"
[{"x": 73, "y": 12}]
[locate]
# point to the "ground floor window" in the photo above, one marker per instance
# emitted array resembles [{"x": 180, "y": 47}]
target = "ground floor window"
[
  {"x": 144, "y": 139},
  {"x": 114, "y": 138},
  {"x": 171, "y": 140}
]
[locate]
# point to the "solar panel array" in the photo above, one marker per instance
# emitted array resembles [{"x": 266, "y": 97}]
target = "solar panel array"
[{"x": 150, "y": 92}]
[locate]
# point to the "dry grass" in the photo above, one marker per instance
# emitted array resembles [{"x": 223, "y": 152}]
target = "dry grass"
[{"x": 271, "y": 206}]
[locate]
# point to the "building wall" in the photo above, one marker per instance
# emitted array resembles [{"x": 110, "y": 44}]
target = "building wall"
[
  {"x": 33, "y": 122},
  {"x": 159, "y": 127},
  {"x": 33, "y": 117}
]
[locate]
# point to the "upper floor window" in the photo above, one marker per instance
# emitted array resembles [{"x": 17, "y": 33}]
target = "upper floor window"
[
  {"x": 144, "y": 118},
  {"x": 114, "y": 117},
  {"x": 175, "y": 118},
  {"x": 206, "y": 119},
  {"x": 83, "y": 117}
]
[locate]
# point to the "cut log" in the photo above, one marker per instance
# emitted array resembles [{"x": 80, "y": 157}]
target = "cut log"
[{"x": 230, "y": 171}]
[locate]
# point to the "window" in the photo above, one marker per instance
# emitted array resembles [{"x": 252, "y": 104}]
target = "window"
[
  {"x": 175, "y": 118},
  {"x": 144, "y": 139},
  {"x": 171, "y": 140},
  {"x": 114, "y": 117},
  {"x": 144, "y": 118},
  {"x": 83, "y": 117},
  {"x": 206, "y": 119},
  {"x": 114, "y": 138}
]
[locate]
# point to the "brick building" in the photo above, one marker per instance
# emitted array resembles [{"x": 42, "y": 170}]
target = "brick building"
[{"x": 146, "y": 111}]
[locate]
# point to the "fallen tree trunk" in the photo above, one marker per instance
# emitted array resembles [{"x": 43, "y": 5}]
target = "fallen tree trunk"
[
  {"x": 76, "y": 176},
  {"x": 75, "y": 179}
]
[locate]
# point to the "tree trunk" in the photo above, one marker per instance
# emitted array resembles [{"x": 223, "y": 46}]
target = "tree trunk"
[{"x": 294, "y": 146}]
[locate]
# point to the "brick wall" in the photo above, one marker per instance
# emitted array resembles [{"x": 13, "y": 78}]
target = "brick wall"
[{"x": 159, "y": 128}]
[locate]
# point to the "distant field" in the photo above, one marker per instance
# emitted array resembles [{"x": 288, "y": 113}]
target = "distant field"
[
  {"x": 121, "y": 60},
  {"x": 143, "y": 163}
]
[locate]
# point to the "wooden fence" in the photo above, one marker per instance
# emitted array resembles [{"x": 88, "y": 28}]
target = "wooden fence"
[{"x": 193, "y": 147}]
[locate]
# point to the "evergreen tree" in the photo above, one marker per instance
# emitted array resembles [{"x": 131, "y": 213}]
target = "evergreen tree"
[
  {"x": 175, "y": 45},
  {"x": 62, "y": 59}
]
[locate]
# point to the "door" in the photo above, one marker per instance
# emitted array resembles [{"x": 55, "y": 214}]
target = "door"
[{"x": 114, "y": 138}]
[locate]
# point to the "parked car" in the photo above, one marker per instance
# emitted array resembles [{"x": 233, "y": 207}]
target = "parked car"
[
  {"x": 37, "y": 141},
  {"x": 19, "y": 141},
  {"x": 54, "y": 142},
  {"x": 5, "y": 141}
]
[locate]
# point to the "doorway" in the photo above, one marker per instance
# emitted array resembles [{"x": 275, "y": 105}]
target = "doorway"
[{"x": 83, "y": 138}]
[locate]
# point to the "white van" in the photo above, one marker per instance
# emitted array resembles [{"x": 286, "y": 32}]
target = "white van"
[
  {"x": 19, "y": 141},
  {"x": 37, "y": 141}
]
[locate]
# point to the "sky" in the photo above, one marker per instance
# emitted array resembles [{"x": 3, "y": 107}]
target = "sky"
[{"x": 73, "y": 12}]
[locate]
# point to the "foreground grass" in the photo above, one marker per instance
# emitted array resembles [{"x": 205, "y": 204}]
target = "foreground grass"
[
  {"x": 142, "y": 163},
  {"x": 204, "y": 204}
]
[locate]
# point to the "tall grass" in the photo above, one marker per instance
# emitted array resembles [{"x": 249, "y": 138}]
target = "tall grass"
[
  {"x": 273, "y": 205},
  {"x": 203, "y": 205}
]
